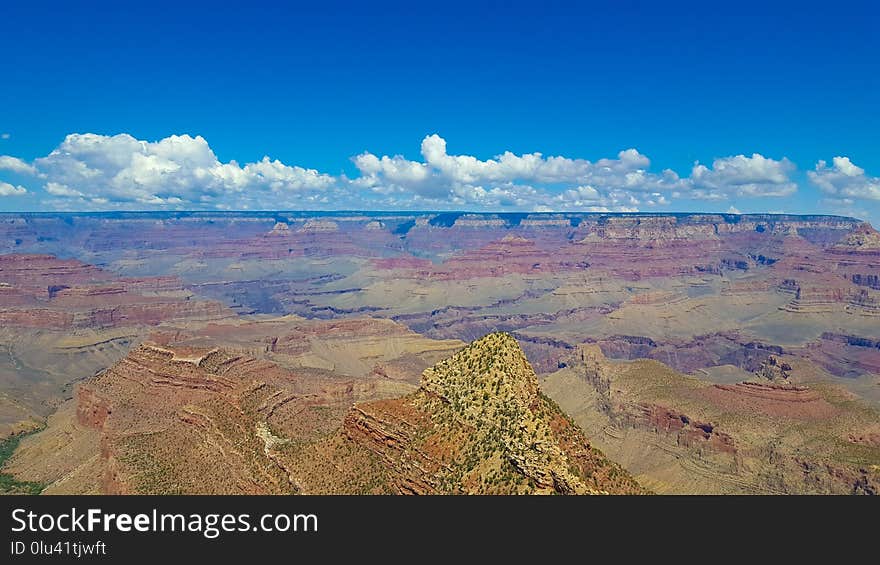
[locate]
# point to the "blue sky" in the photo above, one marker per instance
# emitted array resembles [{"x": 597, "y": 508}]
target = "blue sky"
[{"x": 352, "y": 104}]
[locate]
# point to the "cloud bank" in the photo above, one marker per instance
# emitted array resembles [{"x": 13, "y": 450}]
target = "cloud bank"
[
  {"x": 530, "y": 181},
  {"x": 90, "y": 171},
  {"x": 755, "y": 176},
  {"x": 844, "y": 181}
]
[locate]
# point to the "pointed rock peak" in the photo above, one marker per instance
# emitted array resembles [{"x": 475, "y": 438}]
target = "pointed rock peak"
[
  {"x": 492, "y": 368},
  {"x": 498, "y": 340}
]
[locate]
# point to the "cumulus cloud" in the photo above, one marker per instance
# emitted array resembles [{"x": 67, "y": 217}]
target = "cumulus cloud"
[
  {"x": 843, "y": 181},
  {"x": 754, "y": 176},
  {"x": 58, "y": 189},
  {"x": 7, "y": 189},
  {"x": 16, "y": 165},
  {"x": 177, "y": 171},
  {"x": 621, "y": 183},
  {"x": 533, "y": 167},
  {"x": 516, "y": 181},
  {"x": 90, "y": 171}
]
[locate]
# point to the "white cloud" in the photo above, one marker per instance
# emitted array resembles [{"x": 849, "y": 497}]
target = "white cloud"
[
  {"x": 627, "y": 171},
  {"x": 7, "y": 189},
  {"x": 16, "y": 165},
  {"x": 90, "y": 171},
  {"x": 57, "y": 189},
  {"x": 5, "y": 136},
  {"x": 754, "y": 176},
  {"x": 733, "y": 210},
  {"x": 177, "y": 171},
  {"x": 845, "y": 181},
  {"x": 533, "y": 167},
  {"x": 280, "y": 177},
  {"x": 382, "y": 173},
  {"x": 511, "y": 181}
]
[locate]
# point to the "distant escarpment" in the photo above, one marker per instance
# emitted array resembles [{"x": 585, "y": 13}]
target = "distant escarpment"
[{"x": 42, "y": 291}]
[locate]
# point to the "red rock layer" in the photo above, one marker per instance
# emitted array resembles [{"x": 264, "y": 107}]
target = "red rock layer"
[
  {"x": 779, "y": 401},
  {"x": 41, "y": 291}
]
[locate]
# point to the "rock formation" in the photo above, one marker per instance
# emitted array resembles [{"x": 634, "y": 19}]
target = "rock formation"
[
  {"x": 182, "y": 419},
  {"x": 677, "y": 434},
  {"x": 478, "y": 424}
]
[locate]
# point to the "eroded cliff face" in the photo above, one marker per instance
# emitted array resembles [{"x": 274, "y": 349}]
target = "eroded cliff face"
[
  {"x": 184, "y": 419},
  {"x": 181, "y": 419},
  {"x": 176, "y": 411},
  {"x": 61, "y": 320},
  {"x": 678, "y": 434},
  {"x": 41, "y": 291},
  {"x": 863, "y": 239}
]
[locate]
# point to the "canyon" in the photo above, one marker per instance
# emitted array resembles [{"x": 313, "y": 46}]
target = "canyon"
[{"x": 141, "y": 348}]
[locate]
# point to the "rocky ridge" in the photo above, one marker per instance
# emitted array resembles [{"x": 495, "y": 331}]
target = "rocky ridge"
[
  {"x": 480, "y": 425},
  {"x": 677, "y": 434},
  {"x": 185, "y": 419}
]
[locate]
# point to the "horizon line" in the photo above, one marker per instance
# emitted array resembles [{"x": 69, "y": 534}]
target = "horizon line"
[{"x": 416, "y": 212}]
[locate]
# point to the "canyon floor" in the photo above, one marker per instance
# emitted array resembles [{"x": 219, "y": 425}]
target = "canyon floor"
[{"x": 328, "y": 352}]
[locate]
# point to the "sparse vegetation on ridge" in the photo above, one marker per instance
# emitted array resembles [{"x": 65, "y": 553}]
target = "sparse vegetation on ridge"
[{"x": 8, "y": 483}]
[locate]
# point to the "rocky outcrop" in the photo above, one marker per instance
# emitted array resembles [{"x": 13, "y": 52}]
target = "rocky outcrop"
[
  {"x": 479, "y": 424},
  {"x": 317, "y": 225},
  {"x": 179, "y": 416},
  {"x": 831, "y": 295},
  {"x": 687, "y": 432},
  {"x": 864, "y": 239},
  {"x": 185, "y": 420},
  {"x": 679, "y": 434},
  {"x": 774, "y": 370},
  {"x": 781, "y": 401}
]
